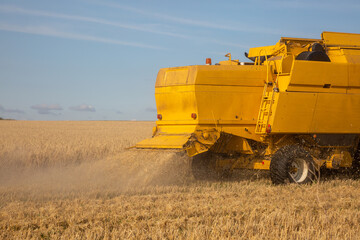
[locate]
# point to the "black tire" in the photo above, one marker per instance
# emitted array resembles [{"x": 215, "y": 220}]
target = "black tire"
[
  {"x": 317, "y": 47},
  {"x": 355, "y": 173},
  {"x": 292, "y": 164},
  {"x": 355, "y": 168},
  {"x": 313, "y": 56},
  {"x": 203, "y": 167}
]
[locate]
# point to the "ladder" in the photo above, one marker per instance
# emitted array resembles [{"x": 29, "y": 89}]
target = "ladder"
[
  {"x": 266, "y": 101},
  {"x": 264, "y": 111}
]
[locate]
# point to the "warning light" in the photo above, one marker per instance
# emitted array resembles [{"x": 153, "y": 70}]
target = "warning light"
[
  {"x": 193, "y": 116},
  {"x": 159, "y": 116},
  {"x": 268, "y": 128},
  {"x": 208, "y": 61}
]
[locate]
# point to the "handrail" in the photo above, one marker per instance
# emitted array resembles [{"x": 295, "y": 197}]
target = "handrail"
[{"x": 267, "y": 64}]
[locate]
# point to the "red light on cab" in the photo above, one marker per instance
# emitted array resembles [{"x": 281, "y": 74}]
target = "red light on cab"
[
  {"x": 193, "y": 116},
  {"x": 159, "y": 116},
  {"x": 208, "y": 61}
]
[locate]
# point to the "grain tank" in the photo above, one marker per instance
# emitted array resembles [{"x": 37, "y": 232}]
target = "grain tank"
[{"x": 293, "y": 108}]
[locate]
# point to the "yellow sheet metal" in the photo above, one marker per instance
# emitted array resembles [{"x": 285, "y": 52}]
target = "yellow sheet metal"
[
  {"x": 341, "y": 39},
  {"x": 164, "y": 141}
]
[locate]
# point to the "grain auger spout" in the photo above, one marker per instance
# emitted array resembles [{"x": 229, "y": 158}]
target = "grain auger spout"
[
  {"x": 290, "y": 110},
  {"x": 201, "y": 141}
]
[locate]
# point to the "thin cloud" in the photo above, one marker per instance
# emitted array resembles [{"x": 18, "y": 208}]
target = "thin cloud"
[
  {"x": 321, "y": 5},
  {"x": 164, "y": 16},
  {"x": 119, "y": 112},
  {"x": 14, "y": 9},
  {"x": 233, "y": 26},
  {"x": 9, "y": 110},
  {"x": 47, "y": 109},
  {"x": 48, "y": 31},
  {"x": 83, "y": 108}
]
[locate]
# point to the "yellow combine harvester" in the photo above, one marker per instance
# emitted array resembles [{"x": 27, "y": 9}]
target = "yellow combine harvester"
[{"x": 293, "y": 109}]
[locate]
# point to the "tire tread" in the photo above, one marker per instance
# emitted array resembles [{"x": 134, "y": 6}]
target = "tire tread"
[{"x": 281, "y": 160}]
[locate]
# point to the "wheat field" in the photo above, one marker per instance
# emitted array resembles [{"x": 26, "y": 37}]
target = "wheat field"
[{"x": 78, "y": 180}]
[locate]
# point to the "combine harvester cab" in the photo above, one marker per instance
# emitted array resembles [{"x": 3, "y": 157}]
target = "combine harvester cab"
[{"x": 292, "y": 110}]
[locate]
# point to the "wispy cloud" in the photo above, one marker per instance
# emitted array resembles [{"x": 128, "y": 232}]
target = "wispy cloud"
[
  {"x": 10, "y": 110},
  {"x": 14, "y": 9},
  {"x": 83, "y": 108},
  {"x": 55, "y": 33},
  {"x": 49, "y": 31},
  {"x": 230, "y": 26},
  {"x": 46, "y": 108},
  {"x": 332, "y": 5}
]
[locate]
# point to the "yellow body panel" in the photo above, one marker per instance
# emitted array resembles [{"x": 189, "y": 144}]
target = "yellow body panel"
[
  {"x": 218, "y": 95},
  {"x": 293, "y": 112},
  {"x": 314, "y": 75},
  {"x": 300, "y": 112},
  {"x": 353, "y": 63},
  {"x": 342, "y": 117},
  {"x": 341, "y": 39}
]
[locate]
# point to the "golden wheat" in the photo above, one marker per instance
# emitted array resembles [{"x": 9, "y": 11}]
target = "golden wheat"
[
  {"x": 48, "y": 143},
  {"x": 77, "y": 180}
]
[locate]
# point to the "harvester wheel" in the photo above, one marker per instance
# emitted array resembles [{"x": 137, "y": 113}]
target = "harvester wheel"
[
  {"x": 292, "y": 164},
  {"x": 313, "y": 56},
  {"x": 355, "y": 169},
  {"x": 204, "y": 167}
]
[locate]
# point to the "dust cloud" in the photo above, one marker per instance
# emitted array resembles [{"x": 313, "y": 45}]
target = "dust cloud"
[{"x": 129, "y": 171}]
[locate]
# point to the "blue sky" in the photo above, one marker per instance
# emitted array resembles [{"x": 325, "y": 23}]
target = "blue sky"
[{"x": 98, "y": 60}]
